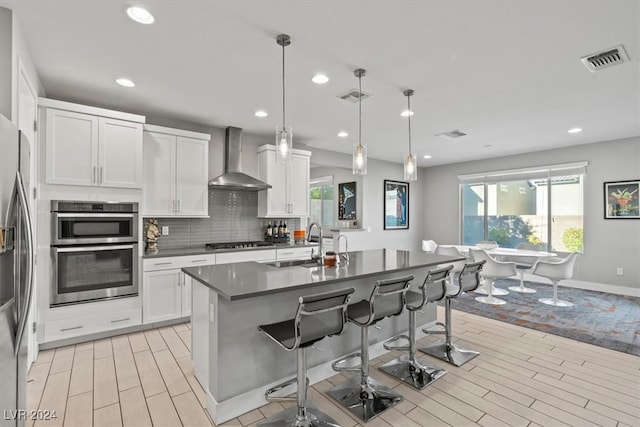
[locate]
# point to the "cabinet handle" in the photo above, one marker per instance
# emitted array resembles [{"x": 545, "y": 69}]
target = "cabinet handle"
[
  {"x": 200, "y": 260},
  {"x": 163, "y": 263},
  {"x": 121, "y": 320},
  {"x": 101, "y": 168},
  {"x": 178, "y": 210},
  {"x": 71, "y": 329},
  {"x": 287, "y": 253},
  {"x": 93, "y": 176}
]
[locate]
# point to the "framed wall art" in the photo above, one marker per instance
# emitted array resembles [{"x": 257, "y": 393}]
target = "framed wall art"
[
  {"x": 347, "y": 201},
  {"x": 621, "y": 199},
  {"x": 396, "y": 205}
]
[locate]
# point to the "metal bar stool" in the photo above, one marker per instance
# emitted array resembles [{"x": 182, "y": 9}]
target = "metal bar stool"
[
  {"x": 468, "y": 280},
  {"x": 406, "y": 368},
  {"x": 364, "y": 396},
  {"x": 318, "y": 316}
]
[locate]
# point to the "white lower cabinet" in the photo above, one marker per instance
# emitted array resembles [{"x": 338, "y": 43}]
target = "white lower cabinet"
[
  {"x": 267, "y": 255},
  {"x": 166, "y": 290},
  {"x": 303, "y": 252}
]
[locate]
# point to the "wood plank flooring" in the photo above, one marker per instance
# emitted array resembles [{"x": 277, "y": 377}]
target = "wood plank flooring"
[{"x": 521, "y": 378}]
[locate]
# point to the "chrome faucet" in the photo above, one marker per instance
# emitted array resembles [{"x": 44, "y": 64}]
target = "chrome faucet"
[
  {"x": 344, "y": 255},
  {"x": 319, "y": 256}
]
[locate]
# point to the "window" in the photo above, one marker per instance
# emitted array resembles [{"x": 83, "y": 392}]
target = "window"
[
  {"x": 542, "y": 205},
  {"x": 321, "y": 206}
]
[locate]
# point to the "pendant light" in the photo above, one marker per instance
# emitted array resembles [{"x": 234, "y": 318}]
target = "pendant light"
[
  {"x": 359, "y": 150},
  {"x": 411, "y": 161},
  {"x": 284, "y": 134}
]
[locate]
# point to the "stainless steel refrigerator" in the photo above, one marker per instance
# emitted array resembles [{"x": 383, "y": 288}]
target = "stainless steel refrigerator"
[{"x": 16, "y": 273}]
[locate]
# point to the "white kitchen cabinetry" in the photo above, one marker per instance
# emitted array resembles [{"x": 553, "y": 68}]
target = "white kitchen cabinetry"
[
  {"x": 176, "y": 172},
  {"x": 302, "y": 252},
  {"x": 289, "y": 195},
  {"x": 166, "y": 290},
  {"x": 91, "y": 146},
  {"x": 266, "y": 255}
]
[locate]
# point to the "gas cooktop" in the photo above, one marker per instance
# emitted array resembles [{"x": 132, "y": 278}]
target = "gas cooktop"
[{"x": 238, "y": 245}]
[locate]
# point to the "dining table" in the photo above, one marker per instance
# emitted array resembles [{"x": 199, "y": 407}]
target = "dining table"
[{"x": 501, "y": 253}]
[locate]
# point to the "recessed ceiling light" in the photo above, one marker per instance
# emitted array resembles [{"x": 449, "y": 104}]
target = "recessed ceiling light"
[
  {"x": 426, "y": 156},
  {"x": 140, "y": 15},
  {"x": 320, "y": 79},
  {"x": 125, "y": 82},
  {"x": 343, "y": 134},
  {"x": 575, "y": 130},
  {"x": 261, "y": 113},
  {"x": 406, "y": 113}
]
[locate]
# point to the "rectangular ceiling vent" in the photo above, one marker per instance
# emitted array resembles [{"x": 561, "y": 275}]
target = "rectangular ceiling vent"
[
  {"x": 452, "y": 134},
  {"x": 354, "y": 96},
  {"x": 605, "y": 59}
]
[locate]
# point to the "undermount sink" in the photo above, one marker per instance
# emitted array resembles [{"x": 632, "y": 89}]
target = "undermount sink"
[{"x": 309, "y": 263}]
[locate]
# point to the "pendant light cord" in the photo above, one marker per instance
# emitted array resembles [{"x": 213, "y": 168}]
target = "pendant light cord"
[
  {"x": 409, "y": 117},
  {"x": 283, "y": 89},
  {"x": 360, "y": 110}
]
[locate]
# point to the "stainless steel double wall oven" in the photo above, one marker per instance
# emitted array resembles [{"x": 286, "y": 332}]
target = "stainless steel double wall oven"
[{"x": 94, "y": 247}]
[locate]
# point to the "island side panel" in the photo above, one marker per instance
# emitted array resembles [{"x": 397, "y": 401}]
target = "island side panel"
[{"x": 248, "y": 360}]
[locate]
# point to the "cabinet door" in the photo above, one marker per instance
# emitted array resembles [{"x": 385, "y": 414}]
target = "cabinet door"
[
  {"x": 159, "y": 174},
  {"x": 192, "y": 174},
  {"x": 298, "y": 181},
  {"x": 272, "y": 202},
  {"x": 161, "y": 298},
  {"x": 72, "y": 148},
  {"x": 120, "y": 156},
  {"x": 186, "y": 294}
]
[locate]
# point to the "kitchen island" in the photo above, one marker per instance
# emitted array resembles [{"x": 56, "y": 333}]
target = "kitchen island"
[{"x": 235, "y": 363}]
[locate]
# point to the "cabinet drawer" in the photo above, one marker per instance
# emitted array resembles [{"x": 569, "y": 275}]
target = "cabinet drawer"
[
  {"x": 168, "y": 263},
  {"x": 257, "y": 256},
  {"x": 79, "y": 326},
  {"x": 295, "y": 253}
]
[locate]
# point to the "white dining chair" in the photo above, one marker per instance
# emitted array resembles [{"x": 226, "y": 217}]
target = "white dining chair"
[
  {"x": 492, "y": 270},
  {"x": 523, "y": 265},
  {"x": 457, "y": 266},
  {"x": 429, "y": 246},
  {"x": 556, "y": 271}
]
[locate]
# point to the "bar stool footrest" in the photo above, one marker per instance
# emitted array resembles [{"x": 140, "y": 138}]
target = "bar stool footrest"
[
  {"x": 388, "y": 346},
  {"x": 336, "y": 365},
  {"x": 269, "y": 394}
]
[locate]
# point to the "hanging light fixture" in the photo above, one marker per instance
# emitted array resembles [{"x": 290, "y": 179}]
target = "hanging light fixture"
[
  {"x": 359, "y": 150},
  {"x": 411, "y": 162},
  {"x": 284, "y": 134}
]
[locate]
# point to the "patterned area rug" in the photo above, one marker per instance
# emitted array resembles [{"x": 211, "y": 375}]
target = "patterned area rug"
[{"x": 599, "y": 318}]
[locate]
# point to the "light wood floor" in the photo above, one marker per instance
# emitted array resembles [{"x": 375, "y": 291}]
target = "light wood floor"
[{"x": 522, "y": 378}]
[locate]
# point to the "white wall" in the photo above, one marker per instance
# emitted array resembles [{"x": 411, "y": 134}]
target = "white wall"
[{"x": 608, "y": 244}]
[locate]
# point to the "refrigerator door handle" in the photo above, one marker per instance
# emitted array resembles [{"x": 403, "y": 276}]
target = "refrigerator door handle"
[{"x": 23, "y": 312}]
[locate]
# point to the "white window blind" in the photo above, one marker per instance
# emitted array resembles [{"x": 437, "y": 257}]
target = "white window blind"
[{"x": 539, "y": 172}]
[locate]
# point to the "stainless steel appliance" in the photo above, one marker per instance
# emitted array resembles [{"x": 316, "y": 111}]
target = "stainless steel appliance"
[
  {"x": 16, "y": 272},
  {"x": 94, "y": 251}
]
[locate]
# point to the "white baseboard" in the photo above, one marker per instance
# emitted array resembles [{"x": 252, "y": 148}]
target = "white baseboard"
[
  {"x": 231, "y": 408},
  {"x": 590, "y": 286}
]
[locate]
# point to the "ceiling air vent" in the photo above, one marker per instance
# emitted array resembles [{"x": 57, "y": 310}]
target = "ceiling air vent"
[
  {"x": 354, "y": 96},
  {"x": 605, "y": 59},
  {"x": 452, "y": 134}
]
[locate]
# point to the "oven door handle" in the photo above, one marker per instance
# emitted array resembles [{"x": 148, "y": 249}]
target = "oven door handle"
[
  {"x": 93, "y": 248},
  {"x": 93, "y": 215}
]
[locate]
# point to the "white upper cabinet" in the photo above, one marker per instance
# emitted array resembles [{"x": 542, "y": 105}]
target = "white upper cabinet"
[
  {"x": 289, "y": 195},
  {"x": 176, "y": 172},
  {"x": 91, "y": 146}
]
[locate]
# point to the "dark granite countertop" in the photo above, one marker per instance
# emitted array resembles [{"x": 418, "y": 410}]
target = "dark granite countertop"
[
  {"x": 199, "y": 250},
  {"x": 252, "y": 279}
]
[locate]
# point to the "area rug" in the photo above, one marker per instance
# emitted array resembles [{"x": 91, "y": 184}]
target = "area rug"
[{"x": 599, "y": 318}]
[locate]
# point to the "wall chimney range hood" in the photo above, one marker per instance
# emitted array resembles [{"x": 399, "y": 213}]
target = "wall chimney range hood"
[{"x": 233, "y": 178}]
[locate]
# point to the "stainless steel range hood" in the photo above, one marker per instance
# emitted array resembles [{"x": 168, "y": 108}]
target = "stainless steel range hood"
[{"x": 233, "y": 178}]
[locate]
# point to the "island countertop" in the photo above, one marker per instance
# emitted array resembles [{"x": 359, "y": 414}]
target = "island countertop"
[{"x": 251, "y": 279}]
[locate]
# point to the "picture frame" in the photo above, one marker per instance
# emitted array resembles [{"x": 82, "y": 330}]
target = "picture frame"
[
  {"x": 396, "y": 205},
  {"x": 621, "y": 199},
  {"x": 347, "y": 201}
]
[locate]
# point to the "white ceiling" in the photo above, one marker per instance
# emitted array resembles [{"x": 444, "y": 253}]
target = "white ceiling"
[{"x": 507, "y": 73}]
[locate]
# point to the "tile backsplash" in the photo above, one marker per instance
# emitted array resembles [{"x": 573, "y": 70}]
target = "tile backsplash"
[{"x": 232, "y": 218}]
